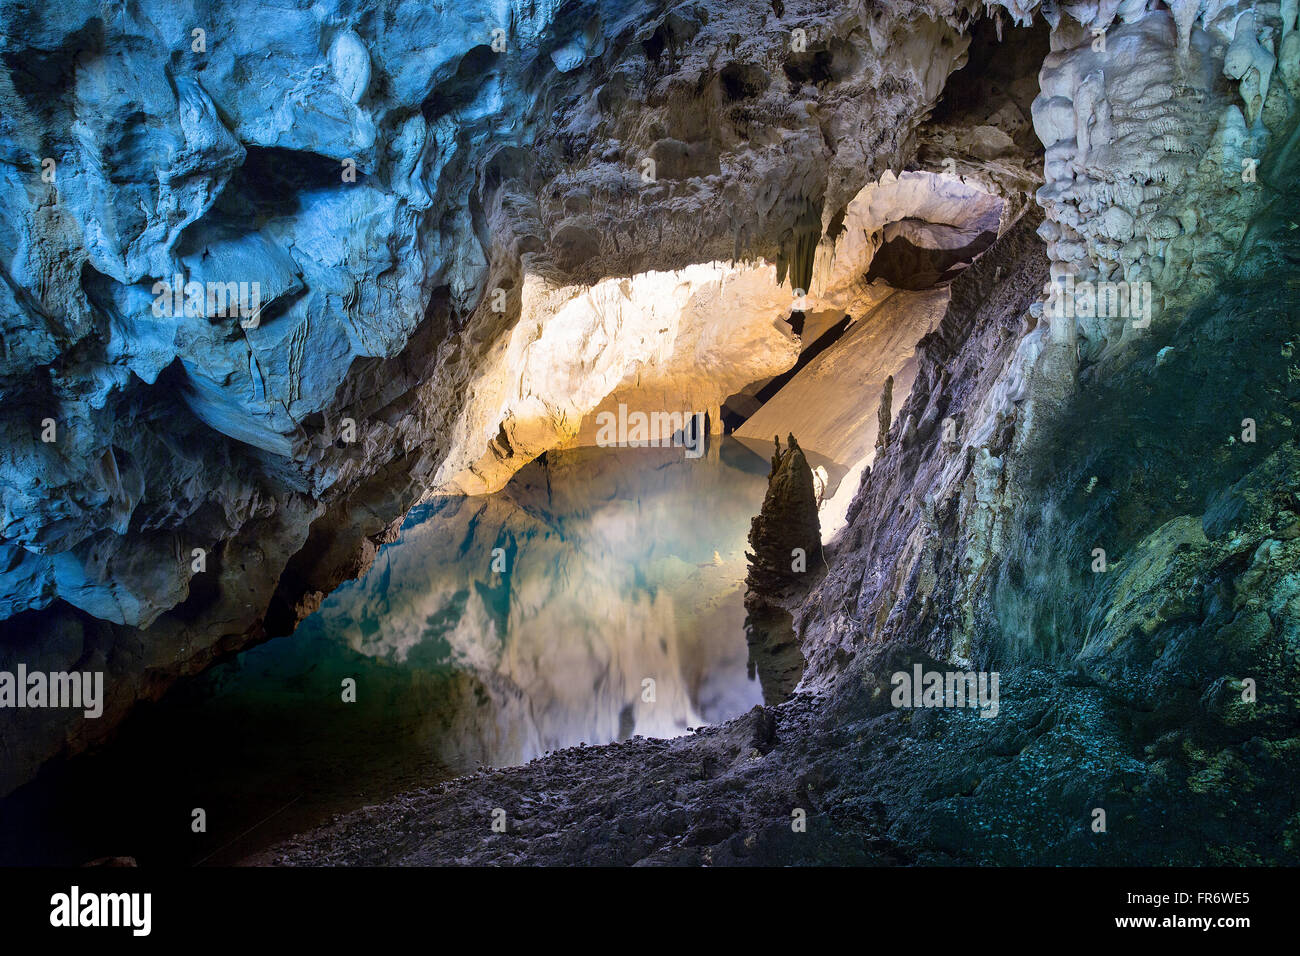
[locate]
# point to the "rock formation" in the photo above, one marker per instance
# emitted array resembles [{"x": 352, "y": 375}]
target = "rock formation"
[
  {"x": 785, "y": 547},
  {"x": 784, "y": 534},
  {"x": 1130, "y": 701},
  {"x": 272, "y": 276},
  {"x": 884, "y": 415}
]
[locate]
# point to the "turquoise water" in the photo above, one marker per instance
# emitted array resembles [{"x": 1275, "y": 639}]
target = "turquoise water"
[{"x": 598, "y": 596}]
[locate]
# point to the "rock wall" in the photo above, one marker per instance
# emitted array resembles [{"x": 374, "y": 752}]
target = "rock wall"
[
  {"x": 1156, "y": 121},
  {"x": 920, "y": 528}
]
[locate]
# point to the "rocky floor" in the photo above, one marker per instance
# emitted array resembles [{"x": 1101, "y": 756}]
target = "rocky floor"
[{"x": 877, "y": 786}]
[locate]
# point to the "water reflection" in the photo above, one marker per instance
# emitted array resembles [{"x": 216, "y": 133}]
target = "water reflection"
[
  {"x": 621, "y": 566},
  {"x": 598, "y": 596}
]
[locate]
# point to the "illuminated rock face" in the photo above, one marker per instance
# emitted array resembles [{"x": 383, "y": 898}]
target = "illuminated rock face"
[
  {"x": 684, "y": 341},
  {"x": 678, "y": 341},
  {"x": 830, "y": 404},
  {"x": 934, "y": 210}
]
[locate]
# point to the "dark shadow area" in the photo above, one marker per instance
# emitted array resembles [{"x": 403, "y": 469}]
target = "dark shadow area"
[{"x": 915, "y": 268}]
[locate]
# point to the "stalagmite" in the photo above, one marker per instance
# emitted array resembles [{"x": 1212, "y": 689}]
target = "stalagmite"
[{"x": 884, "y": 415}]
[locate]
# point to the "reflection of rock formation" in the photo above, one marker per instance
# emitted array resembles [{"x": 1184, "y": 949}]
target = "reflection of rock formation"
[
  {"x": 774, "y": 654},
  {"x": 784, "y": 540},
  {"x": 590, "y": 574}
]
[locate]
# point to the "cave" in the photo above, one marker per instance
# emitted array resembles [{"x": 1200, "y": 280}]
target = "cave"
[{"x": 699, "y": 414}]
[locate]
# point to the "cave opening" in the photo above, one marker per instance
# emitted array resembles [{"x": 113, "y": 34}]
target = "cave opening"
[
  {"x": 880, "y": 283},
  {"x": 274, "y": 181},
  {"x": 999, "y": 81},
  {"x": 977, "y": 146}
]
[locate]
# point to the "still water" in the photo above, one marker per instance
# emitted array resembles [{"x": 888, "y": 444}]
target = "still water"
[{"x": 597, "y": 597}]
